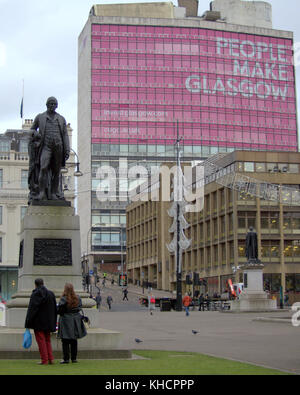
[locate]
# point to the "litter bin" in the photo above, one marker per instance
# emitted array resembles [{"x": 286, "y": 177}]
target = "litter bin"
[{"x": 165, "y": 305}]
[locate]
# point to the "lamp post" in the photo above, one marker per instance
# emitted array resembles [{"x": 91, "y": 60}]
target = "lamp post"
[
  {"x": 87, "y": 247},
  {"x": 122, "y": 262},
  {"x": 179, "y": 242},
  {"x": 77, "y": 172}
]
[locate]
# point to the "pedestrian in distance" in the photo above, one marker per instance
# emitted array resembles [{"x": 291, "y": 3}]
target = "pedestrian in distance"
[
  {"x": 98, "y": 300},
  {"x": 125, "y": 293},
  {"x": 151, "y": 303},
  {"x": 70, "y": 324},
  {"x": 286, "y": 300},
  {"x": 41, "y": 317},
  {"x": 207, "y": 299},
  {"x": 109, "y": 300},
  {"x": 201, "y": 302},
  {"x": 186, "y": 303}
]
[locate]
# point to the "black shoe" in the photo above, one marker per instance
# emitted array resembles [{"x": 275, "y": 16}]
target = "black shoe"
[
  {"x": 61, "y": 362},
  {"x": 75, "y": 361}
]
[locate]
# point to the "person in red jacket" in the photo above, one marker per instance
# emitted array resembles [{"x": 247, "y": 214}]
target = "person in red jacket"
[{"x": 186, "y": 303}]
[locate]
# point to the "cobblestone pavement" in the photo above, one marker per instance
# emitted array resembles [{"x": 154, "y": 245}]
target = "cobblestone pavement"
[{"x": 228, "y": 335}]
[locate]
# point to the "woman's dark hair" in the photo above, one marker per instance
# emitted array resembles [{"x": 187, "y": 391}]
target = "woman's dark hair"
[{"x": 71, "y": 297}]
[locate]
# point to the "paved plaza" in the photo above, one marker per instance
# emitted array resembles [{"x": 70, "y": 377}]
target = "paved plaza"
[{"x": 229, "y": 335}]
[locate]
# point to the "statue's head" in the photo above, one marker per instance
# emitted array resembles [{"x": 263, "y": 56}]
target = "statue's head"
[
  {"x": 51, "y": 104},
  {"x": 251, "y": 229}
]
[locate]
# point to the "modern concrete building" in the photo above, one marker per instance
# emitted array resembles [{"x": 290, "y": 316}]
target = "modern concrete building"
[
  {"x": 14, "y": 200},
  {"x": 224, "y": 79},
  {"x": 218, "y": 231}
]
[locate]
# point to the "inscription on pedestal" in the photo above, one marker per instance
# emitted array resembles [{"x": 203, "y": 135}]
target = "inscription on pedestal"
[{"x": 52, "y": 252}]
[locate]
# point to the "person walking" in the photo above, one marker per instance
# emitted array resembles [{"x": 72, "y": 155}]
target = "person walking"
[
  {"x": 98, "y": 301},
  {"x": 186, "y": 303},
  {"x": 208, "y": 300},
  {"x": 286, "y": 300},
  {"x": 41, "y": 317},
  {"x": 201, "y": 302},
  {"x": 70, "y": 324},
  {"x": 125, "y": 293},
  {"x": 151, "y": 303},
  {"x": 109, "y": 300}
]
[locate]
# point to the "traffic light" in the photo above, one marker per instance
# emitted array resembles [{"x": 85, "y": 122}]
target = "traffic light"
[
  {"x": 188, "y": 279},
  {"x": 83, "y": 282},
  {"x": 196, "y": 278}
]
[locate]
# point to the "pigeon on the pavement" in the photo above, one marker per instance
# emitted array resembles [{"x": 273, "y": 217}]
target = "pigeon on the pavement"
[
  {"x": 194, "y": 332},
  {"x": 138, "y": 340}
]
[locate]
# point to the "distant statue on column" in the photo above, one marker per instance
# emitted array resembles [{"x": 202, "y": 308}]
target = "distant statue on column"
[{"x": 251, "y": 246}]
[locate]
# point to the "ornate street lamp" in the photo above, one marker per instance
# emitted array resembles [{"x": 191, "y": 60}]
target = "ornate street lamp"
[{"x": 77, "y": 173}]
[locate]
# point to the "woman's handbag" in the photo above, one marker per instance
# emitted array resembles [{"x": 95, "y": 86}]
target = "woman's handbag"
[
  {"x": 27, "y": 339},
  {"x": 85, "y": 320}
]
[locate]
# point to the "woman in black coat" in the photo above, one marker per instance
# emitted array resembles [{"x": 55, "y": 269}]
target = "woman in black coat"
[{"x": 70, "y": 325}]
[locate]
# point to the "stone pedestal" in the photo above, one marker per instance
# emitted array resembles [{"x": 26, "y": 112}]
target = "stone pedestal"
[
  {"x": 49, "y": 249},
  {"x": 253, "y": 298}
]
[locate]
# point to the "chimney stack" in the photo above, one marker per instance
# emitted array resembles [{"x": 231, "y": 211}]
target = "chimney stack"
[{"x": 191, "y": 7}]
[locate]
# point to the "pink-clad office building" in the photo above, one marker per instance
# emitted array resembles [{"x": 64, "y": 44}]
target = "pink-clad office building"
[
  {"x": 143, "y": 69},
  {"x": 225, "y": 89}
]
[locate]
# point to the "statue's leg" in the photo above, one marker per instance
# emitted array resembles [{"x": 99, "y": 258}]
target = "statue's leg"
[
  {"x": 55, "y": 167},
  {"x": 43, "y": 176}
]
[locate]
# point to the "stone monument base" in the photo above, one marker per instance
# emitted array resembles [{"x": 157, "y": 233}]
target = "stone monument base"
[
  {"x": 98, "y": 344},
  {"x": 253, "y": 302},
  {"x": 253, "y": 298}
]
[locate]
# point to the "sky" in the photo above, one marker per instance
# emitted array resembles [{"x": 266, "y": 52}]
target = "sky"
[{"x": 38, "y": 51}]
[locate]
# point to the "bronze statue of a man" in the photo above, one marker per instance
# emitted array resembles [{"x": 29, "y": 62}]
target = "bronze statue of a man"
[
  {"x": 48, "y": 148},
  {"x": 251, "y": 245}
]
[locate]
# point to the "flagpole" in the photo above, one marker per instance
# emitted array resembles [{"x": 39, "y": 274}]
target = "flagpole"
[{"x": 22, "y": 103}]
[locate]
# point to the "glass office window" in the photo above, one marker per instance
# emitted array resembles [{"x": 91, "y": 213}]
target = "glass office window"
[
  {"x": 23, "y": 147},
  {"x": 23, "y": 211},
  {"x": 4, "y": 146},
  {"x": 24, "y": 179},
  {"x": 260, "y": 167},
  {"x": 294, "y": 168},
  {"x": 249, "y": 166}
]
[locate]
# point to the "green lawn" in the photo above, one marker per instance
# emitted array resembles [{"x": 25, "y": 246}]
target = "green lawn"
[{"x": 157, "y": 363}]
